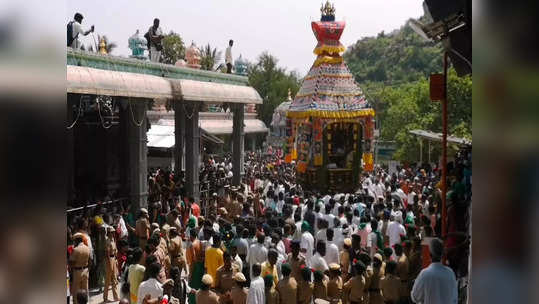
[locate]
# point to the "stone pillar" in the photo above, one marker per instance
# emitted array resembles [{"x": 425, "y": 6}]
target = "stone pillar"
[
  {"x": 138, "y": 151},
  {"x": 238, "y": 136},
  {"x": 72, "y": 99},
  {"x": 192, "y": 150},
  {"x": 253, "y": 142},
  {"x": 179, "y": 135}
]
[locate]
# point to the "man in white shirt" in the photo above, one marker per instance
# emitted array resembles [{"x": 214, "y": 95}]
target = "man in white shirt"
[
  {"x": 156, "y": 35},
  {"x": 280, "y": 203},
  {"x": 337, "y": 204},
  {"x": 394, "y": 231},
  {"x": 332, "y": 251},
  {"x": 297, "y": 232},
  {"x": 410, "y": 197},
  {"x": 379, "y": 188},
  {"x": 228, "y": 56},
  {"x": 151, "y": 286},
  {"x": 76, "y": 30},
  {"x": 329, "y": 217},
  {"x": 317, "y": 260},
  {"x": 321, "y": 234},
  {"x": 257, "y": 252},
  {"x": 307, "y": 243},
  {"x": 256, "y": 293},
  {"x": 119, "y": 222},
  {"x": 436, "y": 283}
]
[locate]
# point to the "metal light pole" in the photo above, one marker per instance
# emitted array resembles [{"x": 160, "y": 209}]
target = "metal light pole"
[
  {"x": 444, "y": 152},
  {"x": 438, "y": 92}
]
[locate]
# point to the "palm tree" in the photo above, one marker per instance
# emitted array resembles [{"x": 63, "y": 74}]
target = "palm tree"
[{"x": 209, "y": 57}]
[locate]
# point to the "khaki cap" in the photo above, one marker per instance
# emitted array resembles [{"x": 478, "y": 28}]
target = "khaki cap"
[
  {"x": 239, "y": 277},
  {"x": 207, "y": 279}
]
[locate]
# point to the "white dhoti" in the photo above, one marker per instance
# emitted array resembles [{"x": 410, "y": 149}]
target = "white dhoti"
[{"x": 155, "y": 55}]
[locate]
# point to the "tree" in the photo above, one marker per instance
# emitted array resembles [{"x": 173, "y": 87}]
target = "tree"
[
  {"x": 409, "y": 107},
  {"x": 272, "y": 83},
  {"x": 173, "y": 48},
  {"x": 209, "y": 57},
  {"x": 393, "y": 69},
  {"x": 399, "y": 56}
]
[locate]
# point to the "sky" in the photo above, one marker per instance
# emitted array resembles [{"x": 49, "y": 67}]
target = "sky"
[{"x": 280, "y": 27}]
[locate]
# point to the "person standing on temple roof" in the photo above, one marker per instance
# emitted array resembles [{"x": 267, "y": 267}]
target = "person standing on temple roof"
[
  {"x": 228, "y": 57},
  {"x": 74, "y": 29},
  {"x": 154, "y": 37}
]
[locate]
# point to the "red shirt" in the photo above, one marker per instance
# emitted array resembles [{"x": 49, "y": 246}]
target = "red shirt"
[{"x": 196, "y": 209}]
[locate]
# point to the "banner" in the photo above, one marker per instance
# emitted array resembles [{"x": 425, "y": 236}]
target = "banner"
[{"x": 368, "y": 162}]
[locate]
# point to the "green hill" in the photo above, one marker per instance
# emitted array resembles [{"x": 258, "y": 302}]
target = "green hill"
[
  {"x": 399, "y": 56},
  {"x": 393, "y": 69}
]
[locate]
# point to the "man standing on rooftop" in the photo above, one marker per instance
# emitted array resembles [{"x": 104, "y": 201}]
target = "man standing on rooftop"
[
  {"x": 74, "y": 29},
  {"x": 228, "y": 57},
  {"x": 156, "y": 35}
]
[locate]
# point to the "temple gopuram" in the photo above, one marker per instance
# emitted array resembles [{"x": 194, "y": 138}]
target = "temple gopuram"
[{"x": 330, "y": 124}]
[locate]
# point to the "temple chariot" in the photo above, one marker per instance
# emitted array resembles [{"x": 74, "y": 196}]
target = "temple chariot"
[{"x": 330, "y": 123}]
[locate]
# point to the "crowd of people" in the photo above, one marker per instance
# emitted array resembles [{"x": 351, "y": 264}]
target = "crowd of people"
[{"x": 269, "y": 241}]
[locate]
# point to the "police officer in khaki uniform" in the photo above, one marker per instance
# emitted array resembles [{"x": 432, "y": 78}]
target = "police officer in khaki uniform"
[
  {"x": 296, "y": 259},
  {"x": 173, "y": 219},
  {"x": 345, "y": 259},
  {"x": 175, "y": 249},
  {"x": 162, "y": 258},
  {"x": 366, "y": 259},
  {"x": 320, "y": 289},
  {"x": 375, "y": 293},
  {"x": 163, "y": 237},
  {"x": 111, "y": 266},
  {"x": 271, "y": 294},
  {"x": 391, "y": 284},
  {"x": 239, "y": 292},
  {"x": 354, "y": 288},
  {"x": 79, "y": 265},
  {"x": 223, "y": 281},
  {"x": 287, "y": 286},
  {"x": 204, "y": 294},
  {"x": 237, "y": 206},
  {"x": 402, "y": 270},
  {"x": 305, "y": 287},
  {"x": 335, "y": 284},
  {"x": 142, "y": 228}
]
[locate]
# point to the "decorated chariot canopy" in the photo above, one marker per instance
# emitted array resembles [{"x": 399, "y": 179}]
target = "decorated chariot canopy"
[
  {"x": 329, "y": 90},
  {"x": 331, "y": 124}
]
